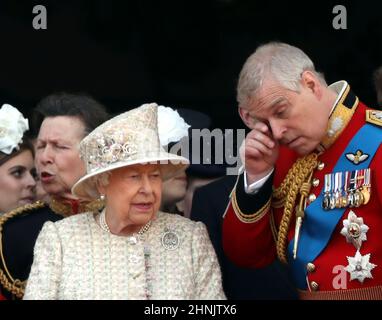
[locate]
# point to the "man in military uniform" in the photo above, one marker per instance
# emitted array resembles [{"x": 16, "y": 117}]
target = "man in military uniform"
[
  {"x": 311, "y": 192},
  {"x": 65, "y": 119}
]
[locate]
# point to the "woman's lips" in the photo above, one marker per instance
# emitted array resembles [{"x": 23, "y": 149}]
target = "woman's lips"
[
  {"x": 46, "y": 177},
  {"x": 143, "y": 207}
]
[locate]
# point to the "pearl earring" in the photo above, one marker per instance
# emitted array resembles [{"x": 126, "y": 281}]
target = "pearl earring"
[{"x": 102, "y": 197}]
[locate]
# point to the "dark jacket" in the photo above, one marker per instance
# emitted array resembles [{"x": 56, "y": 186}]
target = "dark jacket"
[
  {"x": 208, "y": 205},
  {"x": 19, "y": 229}
]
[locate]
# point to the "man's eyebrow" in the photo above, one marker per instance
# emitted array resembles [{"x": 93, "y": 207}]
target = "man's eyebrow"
[{"x": 277, "y": 101}]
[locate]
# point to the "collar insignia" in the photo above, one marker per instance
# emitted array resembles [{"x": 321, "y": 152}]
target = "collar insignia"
[
  {"x": 374, "y": 117},
  {"x": 340, "y": 117}
]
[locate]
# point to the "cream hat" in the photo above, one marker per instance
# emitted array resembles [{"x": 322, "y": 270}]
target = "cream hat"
[{"x": 127, "y": 139}]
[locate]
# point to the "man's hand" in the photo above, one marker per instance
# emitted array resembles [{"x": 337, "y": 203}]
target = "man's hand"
[{"x": 259, "y": 152}]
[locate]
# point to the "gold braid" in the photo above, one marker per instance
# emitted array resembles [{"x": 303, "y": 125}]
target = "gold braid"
[
  {"x": 288, "y": 192},
  {"x": 14, "y": 286}
]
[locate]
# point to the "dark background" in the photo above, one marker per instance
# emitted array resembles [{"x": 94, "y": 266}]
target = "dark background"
[{"x": 176, "y": 53}]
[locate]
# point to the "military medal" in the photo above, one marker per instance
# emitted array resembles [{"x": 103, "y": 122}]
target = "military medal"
[
  {"x": 332, "y": 203},
  {"x": 326, "y": 199},
  {"x": 338, "y": 190},
  {"x": 352, "y": 183},
  {"x": 346, "y": 189},
  {"x": 359, "y": 199},
  {"x": 344, "y": 198},
  {"x": 360, "y": 267},
  {"x": 354, "y": 230},
  {"x": 366, "y": 187}
]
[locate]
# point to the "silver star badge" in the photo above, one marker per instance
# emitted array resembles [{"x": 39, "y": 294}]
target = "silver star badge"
[
  {"x": 354, "y": 230},
  {"x": 359, "y": 267}
]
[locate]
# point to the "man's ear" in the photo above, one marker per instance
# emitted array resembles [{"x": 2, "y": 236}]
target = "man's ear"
[
  {"x": 311, "y": 81},
  {"x": 246, "y": 117}
]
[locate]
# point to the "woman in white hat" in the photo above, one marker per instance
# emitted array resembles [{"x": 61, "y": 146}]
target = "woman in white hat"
[
  {"x": 17, "y": 170},
  {"x": 130, "y": 250}
]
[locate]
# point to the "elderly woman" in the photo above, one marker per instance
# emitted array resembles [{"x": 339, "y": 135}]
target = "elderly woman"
[
  {"x": 129, "y": 250},
  {"x": 63, "y": 121}
]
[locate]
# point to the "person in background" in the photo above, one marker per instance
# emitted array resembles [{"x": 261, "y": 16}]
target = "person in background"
[
  {"x": 17, "y": 170},
  {"x": 272, "y": 282},
  {"x": 201, "y": 170},
  {"x": 62, "y": 120},
  {"x": 311, "y": 191},
  {"x": 172, "y": 128},
  {"x": 173, "y": 193},
  {"x": 129, "y": 250},
  {"x": 378, "y": 85}
]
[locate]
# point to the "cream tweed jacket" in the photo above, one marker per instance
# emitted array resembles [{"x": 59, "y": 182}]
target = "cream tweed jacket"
[{"x": 75, "y": 259}]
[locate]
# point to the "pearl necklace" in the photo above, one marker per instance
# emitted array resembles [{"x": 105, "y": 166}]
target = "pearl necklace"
[{"x": 105, "y": 227}]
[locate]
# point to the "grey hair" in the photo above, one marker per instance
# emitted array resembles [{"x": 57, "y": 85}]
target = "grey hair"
[
  {"x": 275, "y": 60},
  {"x": 101, "y": 179}
]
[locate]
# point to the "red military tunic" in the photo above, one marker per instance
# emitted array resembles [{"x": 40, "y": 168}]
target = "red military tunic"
[{"x": 247, "y": 229}]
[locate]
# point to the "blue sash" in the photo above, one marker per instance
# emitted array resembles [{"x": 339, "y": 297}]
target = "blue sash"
[{"x": 318, "y": 224}]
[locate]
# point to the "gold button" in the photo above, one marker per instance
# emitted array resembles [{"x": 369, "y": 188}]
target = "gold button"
[
  {"x": 316, "y": 182},
  {"x": 321, "y": 165},
  {"x": 314, "y": 285},
  {"x": 310, "y": 267},
  {"x": 312, "y": 197}
]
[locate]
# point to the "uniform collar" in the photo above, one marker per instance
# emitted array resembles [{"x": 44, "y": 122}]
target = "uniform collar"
[
  {"x": 68, "y": 207},
  {"x": 340, "y": 115}
]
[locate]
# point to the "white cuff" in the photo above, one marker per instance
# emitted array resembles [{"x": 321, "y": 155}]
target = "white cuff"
[{"x": 256, "y": 186}]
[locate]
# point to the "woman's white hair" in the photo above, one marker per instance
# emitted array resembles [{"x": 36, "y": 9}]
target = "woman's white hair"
[
  {"x": 275, "y": 60},
  {"x": 101, "y": 179}
]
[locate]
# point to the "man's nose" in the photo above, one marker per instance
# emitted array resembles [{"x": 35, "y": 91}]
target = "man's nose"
[{"x": 277, "y": 129}]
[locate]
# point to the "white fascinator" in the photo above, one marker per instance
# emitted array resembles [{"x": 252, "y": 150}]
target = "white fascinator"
[
  {"x": 171, "y": 126},
  {"x": 12, "y": 128}
]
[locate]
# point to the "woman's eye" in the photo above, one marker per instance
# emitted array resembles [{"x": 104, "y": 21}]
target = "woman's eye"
[{"x": 17, "y": 173}]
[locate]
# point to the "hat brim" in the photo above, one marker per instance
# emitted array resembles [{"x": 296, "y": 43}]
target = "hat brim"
[{"x": 171, "y": 165}]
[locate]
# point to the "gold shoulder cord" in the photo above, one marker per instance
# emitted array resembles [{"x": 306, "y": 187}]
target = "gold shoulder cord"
[
  {"x": 14, "y": 286},
  {"x": 249, "y": 218},
  {"x": 65, "y": 209},
  {"x": 297, "y": 181}
]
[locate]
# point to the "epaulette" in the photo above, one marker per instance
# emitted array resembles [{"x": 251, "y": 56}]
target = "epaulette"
[
  {"x": 14, "y": 286},
  {"x": 374, "y": 117}
]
